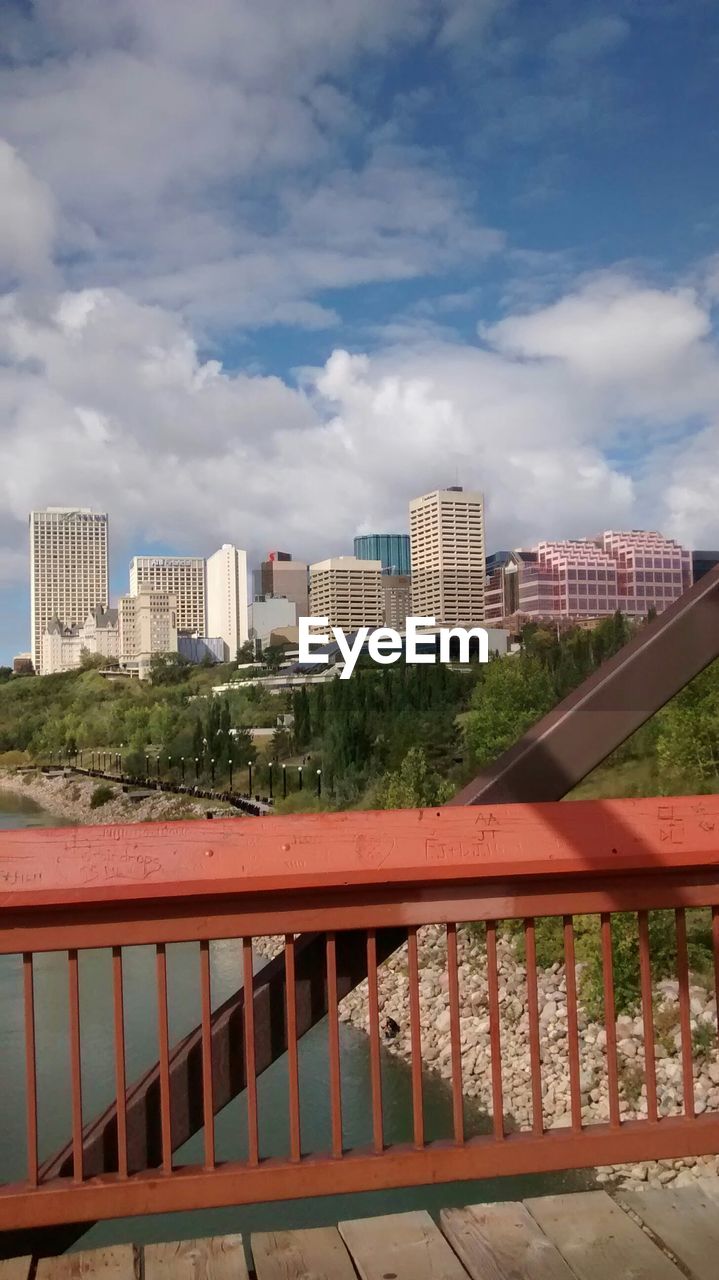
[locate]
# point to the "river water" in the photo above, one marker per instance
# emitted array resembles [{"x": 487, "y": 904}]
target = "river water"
[{"x": 51, "y": 993}]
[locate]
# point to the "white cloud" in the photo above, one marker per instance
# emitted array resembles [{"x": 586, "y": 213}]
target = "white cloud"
[
  {"x": 107, "y": 402},
  {"x": 589, "y": 39},
  {"x": 27, "y": 221},
  {"x": 610, "y": 330},
  {"x": 198, "y": 158}
]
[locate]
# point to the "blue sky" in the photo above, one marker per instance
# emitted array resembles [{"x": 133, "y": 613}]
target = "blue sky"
[{"x": 268, "y": 271}]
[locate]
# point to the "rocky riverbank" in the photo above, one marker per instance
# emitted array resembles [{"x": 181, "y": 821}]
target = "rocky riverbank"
[
  {"x": 393, "y": 987},
  {"x": 69, "y": 796}
]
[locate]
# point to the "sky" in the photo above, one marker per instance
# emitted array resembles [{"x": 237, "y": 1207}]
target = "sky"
[{"x": 267, "y": 271}]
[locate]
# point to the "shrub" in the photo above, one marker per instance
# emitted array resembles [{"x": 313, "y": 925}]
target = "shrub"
[
  {"x": 14, "y": 759},
  {"x": 101, "y": 795},
  {"x": 625, "y": 953},
  {"x": 704, "y": 1041}
]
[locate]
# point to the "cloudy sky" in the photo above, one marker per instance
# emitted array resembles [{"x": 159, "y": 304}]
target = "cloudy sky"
[{"x": 269, "y": 270}]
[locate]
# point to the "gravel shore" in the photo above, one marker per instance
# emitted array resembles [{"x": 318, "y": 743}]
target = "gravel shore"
[
  {"x": 393, "y": 991},
  {"x": 68, "y": 796},
  {"x": 393, "y": 986}
]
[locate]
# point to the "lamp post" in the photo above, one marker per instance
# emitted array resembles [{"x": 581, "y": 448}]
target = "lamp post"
[
  {"x": 299, "y": 774},
  {"x": 249, "y": 777},
  {"x": 197, "y": 769},
  {"x": 182, "y": 768},
  {"x": 157, "y": 768},
  {"x": 284, "y": 781},
  {"x": 147, "y": 768},
  {"x": 230, "y": 768},
  {"x": 212, "y": 772},
  {"x": 319, "y": 782},
  {"x": 270, "y": 773}
]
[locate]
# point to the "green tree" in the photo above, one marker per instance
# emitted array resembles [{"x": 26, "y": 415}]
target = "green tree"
[
  {"x": 168, "y": 668},
  {"x": 688, "y": 736},
  {"x": 273, "y": 656},
  {"x": 514, "y": 694},
  {"x": 414, "y": 785}
]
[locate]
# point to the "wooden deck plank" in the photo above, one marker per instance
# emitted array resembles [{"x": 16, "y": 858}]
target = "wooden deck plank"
[
  {"x": 317, "y": 1253},
  {"x": 685, "y": 1220},
  {"x": 214, "y": 1258},
  {"x": 598, "y": 1239},
  {"x": 407, "y": 1246},
  {"x": 15, "y": 1269},
  {"x": 502, "y": 1242},
  {"x": 115, "y": 1263}
]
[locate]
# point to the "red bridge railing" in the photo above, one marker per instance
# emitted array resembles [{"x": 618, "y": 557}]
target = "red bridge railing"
[{"x": 347, "y": 888}]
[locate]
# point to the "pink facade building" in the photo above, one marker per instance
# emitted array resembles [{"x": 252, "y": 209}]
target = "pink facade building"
[{"x": 589, "y": 577}]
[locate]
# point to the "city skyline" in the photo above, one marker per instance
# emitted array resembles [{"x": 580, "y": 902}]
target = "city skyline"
[
  {"x": 353, "y": 259},
  {"x": 214, "y": 594}
]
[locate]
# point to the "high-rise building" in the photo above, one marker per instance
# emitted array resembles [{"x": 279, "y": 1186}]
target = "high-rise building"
[
  {"x": 68, "y": 568},
  {"x": 703, "y": 562},
  {"x": 280, "y": 575},
  {"x": 180, "y": 576},
  {"x": 226, "y": 600},
  {"x": 347, "y": 591},
  {"x": 586, "y": 578},
  {"x": 651, "y": 570},
  {"x": 396, "y": 600},
  {"x": 148, "y": 626},
  {"x": 391, "y": 549},
  {"x": 447, "y": 544}
]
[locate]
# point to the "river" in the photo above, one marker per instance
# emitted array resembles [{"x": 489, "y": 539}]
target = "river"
[{"x": 184, "y": 1007}]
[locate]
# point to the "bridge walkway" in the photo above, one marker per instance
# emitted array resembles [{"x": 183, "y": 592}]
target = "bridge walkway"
[{"x": 667, "y": 1234}]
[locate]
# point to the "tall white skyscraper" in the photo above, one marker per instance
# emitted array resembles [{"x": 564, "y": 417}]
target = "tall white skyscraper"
[
  {"x": 180, "y": 576},
  {"x": 68, "y": 568},
  {"x": 446, "y": 530},
  {"x": 227, "y": 598}
]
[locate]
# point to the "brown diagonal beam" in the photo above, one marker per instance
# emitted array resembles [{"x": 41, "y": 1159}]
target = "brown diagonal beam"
[{"x": 620, "y": 696}]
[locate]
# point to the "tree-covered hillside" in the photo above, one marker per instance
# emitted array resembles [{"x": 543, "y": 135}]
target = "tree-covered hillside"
[{"x": 391, "y": 736}]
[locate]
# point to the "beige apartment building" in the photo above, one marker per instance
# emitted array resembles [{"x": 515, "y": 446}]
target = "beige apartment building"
[
  {"x": 148, "y": 625},
  {"x": 446, "y": 531},
  {"x": 68, "y": 569},
  {"x": 180, "y": 576},
  {"x": 347, "y": 591}
]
